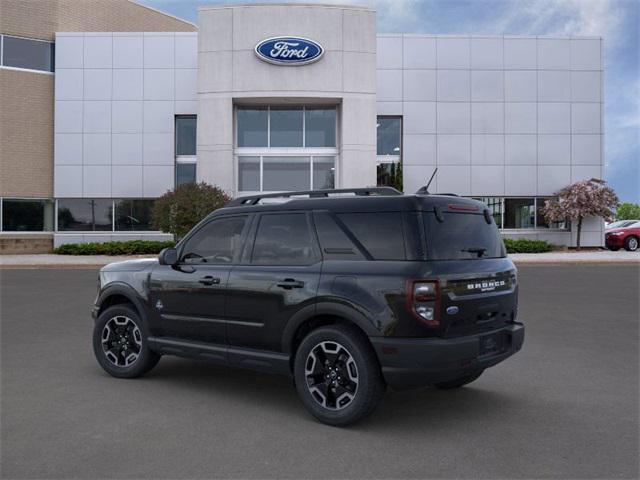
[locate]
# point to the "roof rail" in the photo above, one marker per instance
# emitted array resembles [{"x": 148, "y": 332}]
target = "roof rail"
[{"x": 364, "y": 192}]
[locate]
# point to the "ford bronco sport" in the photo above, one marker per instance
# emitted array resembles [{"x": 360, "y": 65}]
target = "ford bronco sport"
[{"x": 347, "y": 291}]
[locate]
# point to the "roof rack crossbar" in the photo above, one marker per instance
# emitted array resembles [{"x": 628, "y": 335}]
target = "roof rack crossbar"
[{"x": 255, "y": 199}]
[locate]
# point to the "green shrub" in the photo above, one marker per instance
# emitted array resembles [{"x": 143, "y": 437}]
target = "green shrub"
[
  {"x": 180, "y": 210},
  {"x": 131, "y": 247},
  {"x": 524, "y": 245}
]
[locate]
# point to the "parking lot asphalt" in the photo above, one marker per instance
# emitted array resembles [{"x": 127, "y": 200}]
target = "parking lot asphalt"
[{"x": 566, "y": 406}]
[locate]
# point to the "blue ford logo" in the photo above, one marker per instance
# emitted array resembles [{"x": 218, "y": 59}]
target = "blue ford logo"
[{"x": 289, "y": 50}]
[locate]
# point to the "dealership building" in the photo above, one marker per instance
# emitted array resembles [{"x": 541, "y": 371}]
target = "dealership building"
[{"x": 107, "y": 105}]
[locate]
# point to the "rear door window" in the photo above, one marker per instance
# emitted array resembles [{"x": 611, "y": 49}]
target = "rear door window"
[
  {"x": 381, "y": 234},
  {"x": 462, "y": 236},
  {"x": 284, "y": 239}
]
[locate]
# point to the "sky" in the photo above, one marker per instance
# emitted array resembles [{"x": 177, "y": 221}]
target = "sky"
[{"x": 617, "y": 21}]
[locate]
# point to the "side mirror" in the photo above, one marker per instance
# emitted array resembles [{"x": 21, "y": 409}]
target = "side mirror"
[{"x": 168, "y": 256}]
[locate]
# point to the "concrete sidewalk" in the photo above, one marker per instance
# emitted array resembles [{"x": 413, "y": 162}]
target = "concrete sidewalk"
[{"x": 93, "y": 261}]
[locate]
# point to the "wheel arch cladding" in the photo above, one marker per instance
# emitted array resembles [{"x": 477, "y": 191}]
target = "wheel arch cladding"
[
  {"x": 294, "y": 337},
  {"x": 120, "y": 295}
]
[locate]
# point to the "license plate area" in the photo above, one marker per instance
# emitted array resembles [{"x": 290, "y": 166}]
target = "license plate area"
[{"x": 493, "y": 344}]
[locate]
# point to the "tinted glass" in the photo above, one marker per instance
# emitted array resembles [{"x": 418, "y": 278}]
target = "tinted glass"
[
  {"x": 283, "y": 239},
  {"x": 25, "y": 53},
  {"x": 519, "y": 213},
  {"x": 323, "y": 173},
  {"x": 27, "y": 215},
  {"x": 186, "y": 135},
  {"x": 286, "y": 173},
  {"x": 85, "y": 215},
  {"x": 389, "y": 132},
  {"x": 286, "y": 126},
  {"x": 249, "y": 174},
  {"x": 320, "y": 127},
  {"x": 462, "y": 236},
  {"x": 185, "y": 173},
  {"x": 133, "y": 215},
  {"x": 379, "y": 233},
  {"x": 252, "y": 126},
  {"x": 334, "y": 242},
  {"x": 215, "y": 243}
]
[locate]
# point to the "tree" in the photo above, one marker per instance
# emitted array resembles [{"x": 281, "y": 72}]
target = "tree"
[
  {"x": 178, "y": 211},
  {"x": 586, "y": 198},
  {"x": 628, "y": 211}
]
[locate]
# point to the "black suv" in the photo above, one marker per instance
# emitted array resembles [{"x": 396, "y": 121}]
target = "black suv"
[{"x": 346, "y": 291}]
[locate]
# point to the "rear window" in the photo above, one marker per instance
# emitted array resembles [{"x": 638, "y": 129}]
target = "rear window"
[
  {"x": 462, "y": 236},
  {"x": 379, "y": 233}
]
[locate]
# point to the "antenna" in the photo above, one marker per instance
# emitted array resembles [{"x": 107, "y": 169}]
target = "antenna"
[{"x": 425, "y": 190}]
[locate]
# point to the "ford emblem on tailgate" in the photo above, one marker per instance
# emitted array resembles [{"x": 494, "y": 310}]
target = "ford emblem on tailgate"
[
  {"x": 452, "y": 310},
  {"x": 289, "y": 51}
]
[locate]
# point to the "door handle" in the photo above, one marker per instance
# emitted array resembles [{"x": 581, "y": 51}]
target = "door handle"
[
  {"x": 209, "y": 280},
  {"x": 289, "y": 283}
]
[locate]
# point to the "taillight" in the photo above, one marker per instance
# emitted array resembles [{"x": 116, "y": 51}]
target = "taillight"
[{"x": 423, "y": 300}]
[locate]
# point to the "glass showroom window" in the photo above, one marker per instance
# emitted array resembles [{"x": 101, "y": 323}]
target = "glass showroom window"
[
  {"x": 85, "y": 215},
  {"x": 26, "y": 53},
  {"x": 133, "y": 215},
  {"x": 286, "y": 147},
  {"x": 519, "y": 213},
  {"x": 27, "y": 215},
  {"x": 494, "y": 204},
  {"x": 186, "y": 140},
  {"x": 277, "y": 173},
  {"x": 389, "y": 151},
  {"x": 542, "y": 222}
]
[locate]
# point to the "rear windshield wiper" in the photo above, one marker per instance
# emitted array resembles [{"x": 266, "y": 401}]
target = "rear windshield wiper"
[{"x": 479, "y": 250}]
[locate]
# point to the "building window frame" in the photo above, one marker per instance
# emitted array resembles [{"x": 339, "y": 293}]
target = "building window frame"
[
  {"x": 384, "y": 160},
  {"x": 51, "y": 201},
  {"x": 312, "y": 154},
  {"x": 22, "y": 69},
  {"x": 567, "y": 223},
  {"x": 302, "y": 107},
  {"x": 113, "y": 230},
  {"x": 181, "y": 158},
  {"x": 264, "y": 152}
]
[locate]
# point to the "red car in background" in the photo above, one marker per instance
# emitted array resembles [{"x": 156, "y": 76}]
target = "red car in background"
[{"x": 626, "y": 237}]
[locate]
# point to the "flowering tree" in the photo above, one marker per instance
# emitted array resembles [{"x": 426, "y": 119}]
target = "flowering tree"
[{"x": 586, "y": 198}]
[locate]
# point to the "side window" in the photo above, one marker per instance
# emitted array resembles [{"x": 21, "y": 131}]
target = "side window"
[
  {"x": 283, "y": 239},
  {"x": 215, "y": 243},
  {"x": 336, "y": 245},
  {"x": 380, "y": 233}
]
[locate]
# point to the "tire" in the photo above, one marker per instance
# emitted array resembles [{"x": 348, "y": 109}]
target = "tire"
[
  {"x": 121, "y": 328},
  {"x": 631, "y": 243},
  {"x": 458, "y": 382},
  {"x": 348, "y": 387}
]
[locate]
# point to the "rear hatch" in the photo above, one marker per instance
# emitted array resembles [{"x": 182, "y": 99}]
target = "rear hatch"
[{"x": 477, "y": 282}]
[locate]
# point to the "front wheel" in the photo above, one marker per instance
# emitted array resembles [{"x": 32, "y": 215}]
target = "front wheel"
[
  {"x": 337, "y": 375},
  {"x": 120, "y": 343},
  {"x": 458, "y": 382},
  {"x": 631, "y": 244}
]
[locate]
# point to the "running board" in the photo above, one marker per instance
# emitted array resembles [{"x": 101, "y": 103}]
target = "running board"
[{"x": 260, "y": 360}]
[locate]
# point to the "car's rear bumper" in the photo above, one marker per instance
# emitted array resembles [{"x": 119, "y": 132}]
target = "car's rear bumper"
[{"x": 412, "y": 363}]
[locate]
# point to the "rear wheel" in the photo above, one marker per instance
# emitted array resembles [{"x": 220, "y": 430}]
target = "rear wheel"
[
  {"x": 337, "y": 375},
  {"x": 631, "y": 244},
  {"x": 120, "y": 343},
  {"x": 458, "y": 382}
]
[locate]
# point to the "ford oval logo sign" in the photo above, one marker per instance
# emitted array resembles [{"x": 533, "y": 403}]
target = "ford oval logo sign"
[{"x": 289, "y": 51}]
